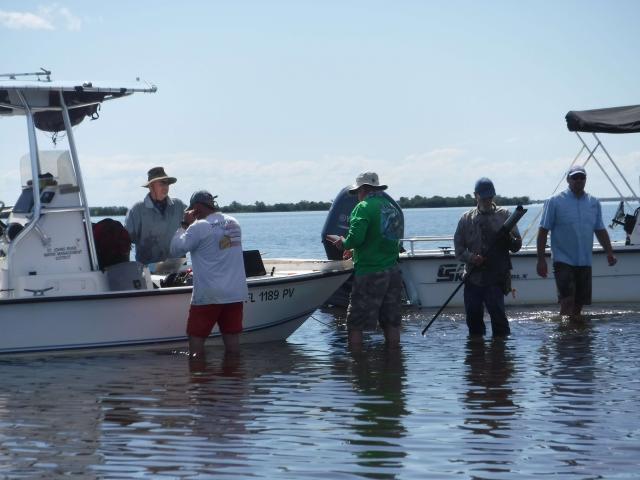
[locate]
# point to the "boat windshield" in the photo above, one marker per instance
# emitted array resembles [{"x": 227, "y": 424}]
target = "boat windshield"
[{"x": 55, "y": 166}]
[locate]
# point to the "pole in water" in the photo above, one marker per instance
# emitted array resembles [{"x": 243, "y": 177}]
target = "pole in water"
[
  {"x": 424, "y": 330},
  {"x": 508, "y": 225}
]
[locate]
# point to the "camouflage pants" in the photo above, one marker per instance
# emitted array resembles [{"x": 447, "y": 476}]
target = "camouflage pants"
[{"x": 375, "y": 298}]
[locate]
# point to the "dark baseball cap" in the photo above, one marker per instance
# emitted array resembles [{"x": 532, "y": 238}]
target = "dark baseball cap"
[
  {"x": 484, "y": 188},
  {"x": 203, "y": 197}
]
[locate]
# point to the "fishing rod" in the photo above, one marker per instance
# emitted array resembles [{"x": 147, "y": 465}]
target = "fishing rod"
[{"x": 508, "y": 225}]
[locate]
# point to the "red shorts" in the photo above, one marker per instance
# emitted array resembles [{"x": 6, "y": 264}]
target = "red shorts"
[{"x": 202, "y": 319}]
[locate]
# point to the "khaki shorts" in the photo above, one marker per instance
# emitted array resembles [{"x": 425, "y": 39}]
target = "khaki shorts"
[{"x": 375, "y": 299}]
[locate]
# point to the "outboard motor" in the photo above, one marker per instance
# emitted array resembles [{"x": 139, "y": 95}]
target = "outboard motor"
[{"x": 629, "y": 224}]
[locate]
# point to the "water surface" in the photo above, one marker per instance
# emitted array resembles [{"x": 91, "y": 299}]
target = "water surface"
[{"x": 553, "y": 400}]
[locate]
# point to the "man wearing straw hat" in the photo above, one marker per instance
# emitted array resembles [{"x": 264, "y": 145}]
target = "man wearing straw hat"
[
  {"x": 152, "y": 222},
  {"x": 375, "y": 229}
]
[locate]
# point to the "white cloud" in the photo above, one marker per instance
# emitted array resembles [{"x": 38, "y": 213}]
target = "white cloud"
[
  {"x": 49, "y": 17},
  {"x": 117, "y": 180},
  {"x": 61, "y": 15},
  {"x": 247, "y": 181},
  {"x": 24, "y": 20}
]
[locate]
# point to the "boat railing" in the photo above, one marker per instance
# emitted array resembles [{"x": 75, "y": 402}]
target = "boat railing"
[
  {"x": 412, "y": 241},
  {"x": 449, "y": 249}
]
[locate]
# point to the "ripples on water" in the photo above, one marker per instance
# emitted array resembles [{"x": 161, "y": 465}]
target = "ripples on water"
[{"x": 554, "y": 399}]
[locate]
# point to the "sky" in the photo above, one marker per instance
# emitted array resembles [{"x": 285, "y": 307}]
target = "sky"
[{"x": 282, "y": 101}]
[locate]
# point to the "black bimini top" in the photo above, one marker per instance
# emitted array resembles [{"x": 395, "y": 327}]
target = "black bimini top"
[{"x": 605, "y": 120}]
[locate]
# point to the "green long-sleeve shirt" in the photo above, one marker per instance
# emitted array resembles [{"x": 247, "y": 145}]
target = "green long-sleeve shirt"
[{"x": 370, "y": 218}]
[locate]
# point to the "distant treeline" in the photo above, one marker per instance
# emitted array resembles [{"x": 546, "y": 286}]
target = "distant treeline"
[
  {"x": 417, "y": 201},
  {"x": 107, "y": 211},
  {"x": 437, "y": 201},
  {"x": 302, "y": 206}
]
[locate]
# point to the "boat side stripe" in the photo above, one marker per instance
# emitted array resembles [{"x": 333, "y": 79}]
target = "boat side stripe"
[{"x": 272, "y": 281}]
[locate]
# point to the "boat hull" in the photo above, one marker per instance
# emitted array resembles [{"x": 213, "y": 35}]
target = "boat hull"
[
  {"x": 275, "y": 309},
  {"x": 431, "y": 277}
]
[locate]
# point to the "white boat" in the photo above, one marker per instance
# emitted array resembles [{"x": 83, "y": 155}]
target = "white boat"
[
  {"x": 432, "y": 274},
  {"x": 54, "y": 296}
]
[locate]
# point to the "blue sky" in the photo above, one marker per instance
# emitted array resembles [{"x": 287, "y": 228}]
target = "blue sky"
[{"x": 282, "y": 101}]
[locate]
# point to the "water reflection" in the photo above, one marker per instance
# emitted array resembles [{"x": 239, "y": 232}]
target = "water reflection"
[
  {"x": 378, "y": 376},
  {"x": 489, "y": 396},
  {"x": 44, "y": 431},
  {"x": 204, "y": 420},
  {"x": 572, "y": 373},
  {"x": 556, "y": 399},
  {"x": 489, "y": 407}
]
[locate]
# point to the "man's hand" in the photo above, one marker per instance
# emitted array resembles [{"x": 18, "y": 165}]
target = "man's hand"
[
  {"x": 336, "y": 241},
  {"x": 541, "y": 268},
  {"x": 477, "y": 260},
  {"x": 347, "y": 254},
  {"x": 611, "y": 259},
  {"x": 188, "y": 218}
]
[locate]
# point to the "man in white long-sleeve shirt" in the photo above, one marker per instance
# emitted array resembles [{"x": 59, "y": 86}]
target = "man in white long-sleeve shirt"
[{"x": 219, "y": 280}]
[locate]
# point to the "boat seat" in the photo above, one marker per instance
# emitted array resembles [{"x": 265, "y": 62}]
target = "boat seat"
[
  {"x": 126, "y": 276},
  {"x": 253, "y": 266}
]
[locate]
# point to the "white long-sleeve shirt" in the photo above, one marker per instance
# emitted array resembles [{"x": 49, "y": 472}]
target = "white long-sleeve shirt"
[{"x": 216, "y": 258}]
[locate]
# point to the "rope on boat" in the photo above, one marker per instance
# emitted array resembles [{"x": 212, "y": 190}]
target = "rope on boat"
[{"x": 320, "y": 321}]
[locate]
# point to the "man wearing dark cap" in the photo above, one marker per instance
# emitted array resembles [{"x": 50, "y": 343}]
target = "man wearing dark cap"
[
  {"x": 219, "y": 280},
  {"x": 152, "y": 222},
  {"x": 485, "y": 252},
  {"x": 572, "y": 217},
  {"x": 375, "y": 229}
]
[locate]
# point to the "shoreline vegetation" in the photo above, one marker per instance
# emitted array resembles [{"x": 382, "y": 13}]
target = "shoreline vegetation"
[{"x": 417, "y": 201}]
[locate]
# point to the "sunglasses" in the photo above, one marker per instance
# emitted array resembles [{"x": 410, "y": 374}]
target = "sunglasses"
[{"x": 578, "y": 177}]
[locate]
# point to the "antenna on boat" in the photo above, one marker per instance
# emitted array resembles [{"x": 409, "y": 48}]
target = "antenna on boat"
[{"x": 43, "y": 73}]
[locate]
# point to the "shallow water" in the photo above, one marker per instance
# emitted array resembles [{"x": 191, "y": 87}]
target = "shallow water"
[{"x": 554, "y": 399}]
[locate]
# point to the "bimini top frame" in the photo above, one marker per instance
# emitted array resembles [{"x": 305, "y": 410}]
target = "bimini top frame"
[
  {"x": 603, "y": 120},
  {"x": 53, "y": 107}
]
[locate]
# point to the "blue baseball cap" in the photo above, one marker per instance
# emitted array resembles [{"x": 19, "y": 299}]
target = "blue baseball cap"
[{"x": 484, "y": 188}]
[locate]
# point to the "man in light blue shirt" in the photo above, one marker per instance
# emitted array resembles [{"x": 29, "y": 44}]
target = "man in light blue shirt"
[{"x": 572, "y": 217}]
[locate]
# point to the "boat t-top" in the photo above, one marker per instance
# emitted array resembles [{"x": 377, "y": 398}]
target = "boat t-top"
[{"x": 54, "y": 295}]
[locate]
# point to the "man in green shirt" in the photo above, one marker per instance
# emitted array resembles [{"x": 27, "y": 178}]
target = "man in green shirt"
[{"x": 375, "y": 229}]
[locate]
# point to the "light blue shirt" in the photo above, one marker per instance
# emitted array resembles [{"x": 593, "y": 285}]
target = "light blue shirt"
[{"x": 572, "y": 221}]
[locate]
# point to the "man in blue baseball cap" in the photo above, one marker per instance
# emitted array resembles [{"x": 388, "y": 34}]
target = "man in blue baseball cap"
[
  {"x": 219, "y": 279},
  {"x": 572, "y": 217},
  {"x": 485, "y": 253}
]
